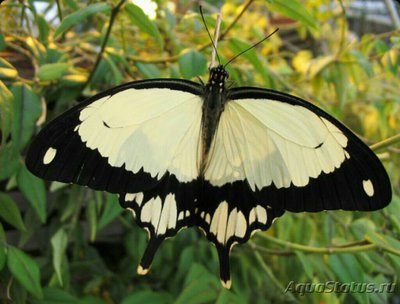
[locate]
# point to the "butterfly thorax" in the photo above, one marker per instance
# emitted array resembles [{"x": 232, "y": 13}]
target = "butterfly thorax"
[{"x": 214, "y": 100}]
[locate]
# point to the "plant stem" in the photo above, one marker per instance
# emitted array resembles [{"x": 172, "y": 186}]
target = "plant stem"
[
  {"x": 114, "y": 14},
  {"x": 321, "y": 250},
  {"x": 386, "y": 143}
]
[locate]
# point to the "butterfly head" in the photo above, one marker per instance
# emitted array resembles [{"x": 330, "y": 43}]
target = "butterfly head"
[{"x": 218, "y": 75}]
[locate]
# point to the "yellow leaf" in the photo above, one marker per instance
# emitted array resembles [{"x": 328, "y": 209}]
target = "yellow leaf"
[
  {"x": 392, "y": 121},
  {"x": 6, "y": 73},
  {"x": 318, "y": 64},
  {"x": 73, "y": 80},
  {"x": 301, "y": 62},
  {"x": 371, "y": 121}
]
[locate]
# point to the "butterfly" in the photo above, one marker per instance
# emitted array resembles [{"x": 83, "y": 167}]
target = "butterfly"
[{"x": 227, "y": 160}]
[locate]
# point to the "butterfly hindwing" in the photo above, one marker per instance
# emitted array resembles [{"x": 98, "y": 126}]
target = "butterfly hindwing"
[
  {"x": 124, "y": 139},
  {"x": 229, "y": 215},
  {"x": 294, "y": 156},
  {"x": 162, "y": 211}
]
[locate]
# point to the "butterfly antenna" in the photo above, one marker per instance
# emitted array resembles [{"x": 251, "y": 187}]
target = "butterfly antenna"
[
  {"x": 248, "y": 49},
  {"x": 215, "y": 40}
]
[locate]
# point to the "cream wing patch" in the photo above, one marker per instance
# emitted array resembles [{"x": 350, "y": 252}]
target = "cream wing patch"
[
  {"x": 267, "y": 141},
  {"x": 225, "y": 225},
  {"x": 49, "y": 156},
  {"x": 161, "y": 215},
  {"x": 154, "y": 129},
  {"x": 368, "y": 187}
]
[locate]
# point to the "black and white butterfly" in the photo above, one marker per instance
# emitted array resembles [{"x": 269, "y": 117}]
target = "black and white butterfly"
[{"x": 229, "y": 161}]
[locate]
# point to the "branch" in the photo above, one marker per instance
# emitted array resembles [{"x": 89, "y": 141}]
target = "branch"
[
  {"x": 386, "y": 143},
  {"x": 114, "y": 13},
  {"x": 323, "y": 250},
  {"x": 230, "y": 26}
]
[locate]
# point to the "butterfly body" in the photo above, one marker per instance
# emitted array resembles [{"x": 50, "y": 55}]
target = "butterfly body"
[
  {"x": 229, "y": 161},
  {"x": 212, "y": 108}
]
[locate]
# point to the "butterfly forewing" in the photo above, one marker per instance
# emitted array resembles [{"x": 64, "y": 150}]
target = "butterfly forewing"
[
  {"x": 294, "y": 156},
  {"x": 125, "y": 139}
]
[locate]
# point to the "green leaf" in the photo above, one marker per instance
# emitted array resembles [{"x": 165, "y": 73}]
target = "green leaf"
[
  {"x": 148, "y": 297},
  {"x": 91, "y": 216},
  {"x": 238, "y": 45},
  {"x": 26, "y": 109},
  {"x": 59, "y": 243},
  {"x": 348, "y": 269},
  {"x": 34, "y": 190},
  {"x": 2, "y": 234},
  {"x": 200, "y": 287},
  {"x": 10, "y": 213},
  {"x": 2, "y": 43},
  {"x": 5, "y": 64},
  {"x": 80, "y": 16},
  {"x": 307, "y": 265},
  {"x": 72, "y": 4},
  {"x": 139, "y": 18},
  {"x": 192, "y": 64},
  {"x": 43, "y": 27},
  {"x": 228, "y": 297},
  {"x": 2, "y": 255},
  {"x": 384, "y": 241},
  {"x": 25, "y": 270},
  {"x": 7, "y": 70},
  {"x": 38, "y": 49},
  {"x": 9, "y": 160},
  {"x": 2, "y": 247},
  {"x": 6, "y": 112},
  {"x": 111, "y": 210},
  {"x": 53, "y": 295},
  {"x": 293, "y": 9},
  {"x": 361, "y": 226},
  {"x": 116, "y": 76},
  {"x": 52, "y": 71},
  {"x": 148, "y": 69}
]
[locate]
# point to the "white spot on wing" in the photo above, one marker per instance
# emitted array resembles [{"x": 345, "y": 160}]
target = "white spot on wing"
[
  {"x": 168, "y": 216},
  {"x": 258, "y": 214},
  {"x": 137, "y": 197},
  {"x": 208, "y": 218},
  {"x": 261, "y": 214},
  {"x": 141, "y": 271},
  {"x": 241, "y": 225},
  {"x": 49, "y": 155},
  {"x": 162, "y": 216},
  {"x": 368, "y": 187},
  {"x": 225, "y": 226},
  {"x": 151, "y": 212},
  {"x": 252, "y": 216},
  {"x": 129, "y": 197},
  {"x": 219, "y": 221}
]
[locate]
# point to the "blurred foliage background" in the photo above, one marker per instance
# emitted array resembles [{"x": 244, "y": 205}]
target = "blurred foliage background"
[{"x": 68, "y": 244}]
